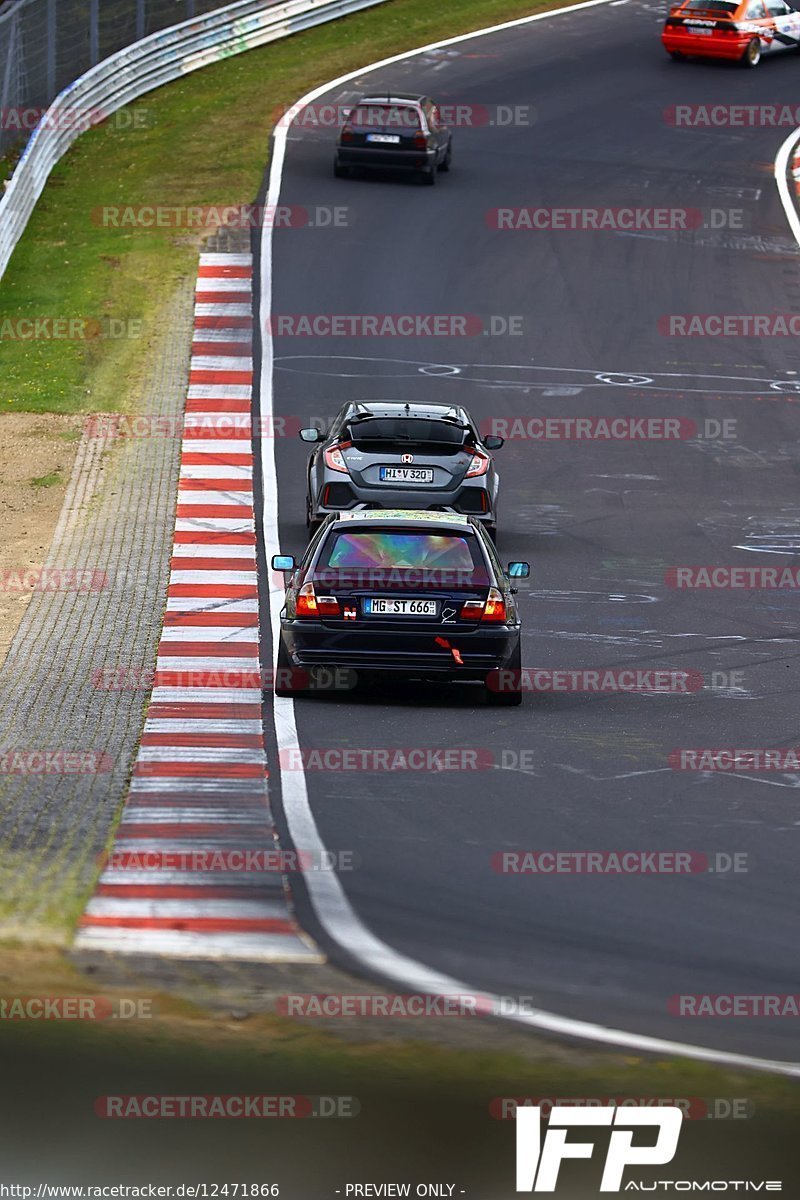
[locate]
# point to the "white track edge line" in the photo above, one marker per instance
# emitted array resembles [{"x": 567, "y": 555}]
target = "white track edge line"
[
  {"x": 328, "y": 899},
  {"x": 781, "y": 170}
]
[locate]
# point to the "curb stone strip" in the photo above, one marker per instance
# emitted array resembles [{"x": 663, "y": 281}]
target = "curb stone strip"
[
  {"x": 199, "y": 785},
  {"x": 116, "y": 524}
]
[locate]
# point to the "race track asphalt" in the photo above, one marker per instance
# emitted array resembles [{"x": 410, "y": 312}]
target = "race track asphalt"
[{"x": 600, "y": 523}]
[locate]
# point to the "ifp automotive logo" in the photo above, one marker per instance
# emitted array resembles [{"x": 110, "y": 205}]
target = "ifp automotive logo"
[{"x": 539, "y": 1160}]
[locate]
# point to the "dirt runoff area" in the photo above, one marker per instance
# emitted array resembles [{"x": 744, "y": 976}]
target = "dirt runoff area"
[{"x": 37, "y": 452}]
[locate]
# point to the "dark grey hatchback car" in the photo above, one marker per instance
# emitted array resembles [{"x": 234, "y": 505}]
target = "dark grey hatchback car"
[
  {"x": 385, "y": 454},
  {"x": 400, "y": 131}
]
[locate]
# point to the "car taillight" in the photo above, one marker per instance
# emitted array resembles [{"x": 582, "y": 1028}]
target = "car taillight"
[
  {"x": 334, "y": 459},
  {"x": 479, "y": 464},
  {"x": 493, "y": 608},
  {"x": 309, "y": 604},
  {"x": 347, "y": 134},
  {"x": 420, "y": 140}
]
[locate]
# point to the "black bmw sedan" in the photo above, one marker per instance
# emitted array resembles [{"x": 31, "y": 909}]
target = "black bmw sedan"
[{"x": 417, "y": 594}]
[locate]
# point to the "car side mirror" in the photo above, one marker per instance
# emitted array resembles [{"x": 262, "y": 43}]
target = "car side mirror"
[
  {"x": 493, "y": 443},
  {"x": 519, "y": 570},
  {"x": 283, "y": 562},
  {"x": 312, "y": 435}
]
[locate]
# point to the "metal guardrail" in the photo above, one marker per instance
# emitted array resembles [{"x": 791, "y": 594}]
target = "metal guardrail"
[
  {"x": 46, "y": 44},
  {"x": 140, "y": 67}
]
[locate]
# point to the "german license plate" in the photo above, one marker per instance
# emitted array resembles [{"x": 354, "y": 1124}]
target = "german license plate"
[
  {"x": 390, "y": 139},
  {"x": 380, "y": 607},
  {"x": 406, "y": 475}
]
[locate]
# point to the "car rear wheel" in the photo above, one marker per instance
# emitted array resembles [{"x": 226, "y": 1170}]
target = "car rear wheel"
[
  {"x": 504, "y": 686},
  {"x": 339, "y": 171},
  {"x": 444, "y": 165},
  {"x": 752, "y": 55},
  {"x": 429, "y": 176},
  {"x": 676, "y": 56},
  {"x": 285, "y": 673}
]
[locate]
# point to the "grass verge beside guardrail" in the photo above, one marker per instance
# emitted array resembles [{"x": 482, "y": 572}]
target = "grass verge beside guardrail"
[{"x": 200, "y": 141}]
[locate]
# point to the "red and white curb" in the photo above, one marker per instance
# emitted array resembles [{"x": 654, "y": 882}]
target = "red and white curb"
[{"x": 198, "y": 804}]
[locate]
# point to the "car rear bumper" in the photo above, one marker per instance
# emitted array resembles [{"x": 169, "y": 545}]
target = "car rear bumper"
[
  {"x": 385, "y": 158},
  {"x": 675, "y": 41},
  {"x": 313, "y": 644},
  {"x": 472, "y": 501}
]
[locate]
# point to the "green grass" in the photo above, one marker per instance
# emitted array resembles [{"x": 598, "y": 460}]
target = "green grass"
[
  {"x": 181, "y": 1025},
  {"x": 424, "y": 1108},
  {"x": 206, "y": 143},
  {"x": 53, "y": 479}
]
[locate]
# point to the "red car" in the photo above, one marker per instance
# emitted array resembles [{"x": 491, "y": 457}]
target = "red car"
[{"x": 728, "y": 29}]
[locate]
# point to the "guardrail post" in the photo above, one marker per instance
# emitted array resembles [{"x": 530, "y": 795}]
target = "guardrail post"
[
  {"x": 51, "y": 49},
  {"x": 12, "y": 49},
  {"x": 94, "y": 32}
]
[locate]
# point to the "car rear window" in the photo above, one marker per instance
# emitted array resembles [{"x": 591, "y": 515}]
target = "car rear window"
[
  {"x": 385, "y": 116},
  {"x": 387, "y": 548},
  {"x": 367, "y": 558},
  {"x": 710, "y": 6},
  {"x": 406, "y": 431}
]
